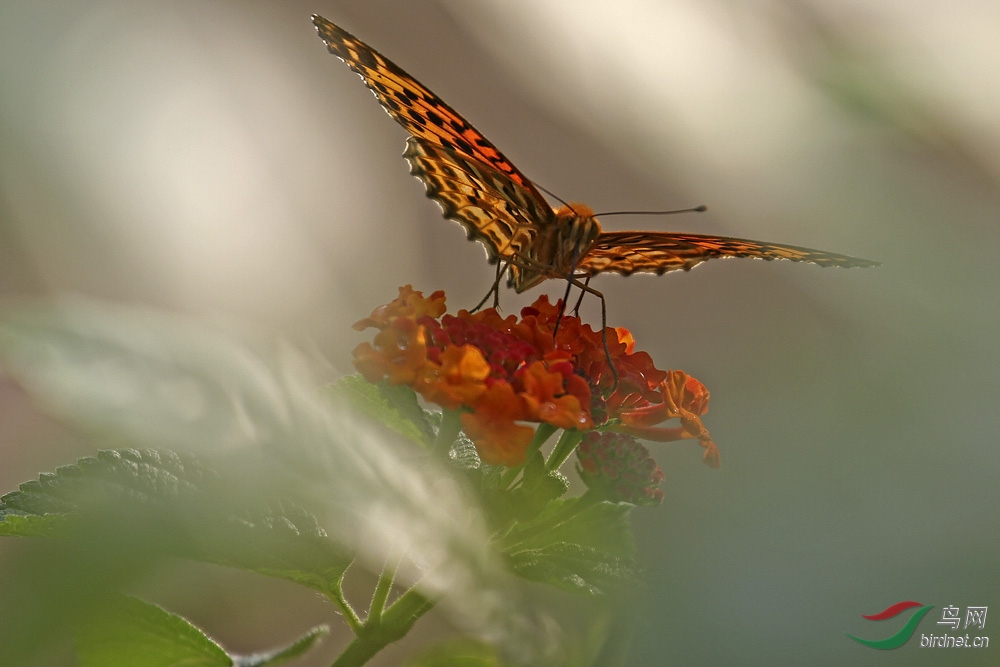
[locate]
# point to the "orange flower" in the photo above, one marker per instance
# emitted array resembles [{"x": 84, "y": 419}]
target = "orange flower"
[
  {"x": 492, "y": 426},
  {"x": 711, "y": 454},
  {"x": 503, "y": 370},
  {"x": 398, "y": 356},
  {"x": 688, "y": 394},
  {"x": 548, "y": 400},
  {"x": 625, "y": 338},
  {"x": 459, "y": 380},
  {"x": 683, "y": 398},
  {"x": 410, "y": 304}
]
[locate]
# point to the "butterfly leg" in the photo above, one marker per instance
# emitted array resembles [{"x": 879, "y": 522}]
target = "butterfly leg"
[
  {"x": 571, "y": 280},
  {"x": 581, "y": 281},
  {"x": 562, "y": 308},
  {"x": 576, "y": 308},
  {"x": 585, "y": 288},
  {"x": 501, "y": 267},
  {"x": 494, "y": 290}
]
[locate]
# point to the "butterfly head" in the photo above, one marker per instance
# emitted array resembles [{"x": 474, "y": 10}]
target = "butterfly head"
[{"x": 577, "y": 228}]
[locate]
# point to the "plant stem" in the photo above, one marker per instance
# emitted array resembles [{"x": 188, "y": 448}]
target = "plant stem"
[
  {"x": 382, "y": 589},
  {"x": 335, "y": 594},
  {"x": 392, "y": 625}
]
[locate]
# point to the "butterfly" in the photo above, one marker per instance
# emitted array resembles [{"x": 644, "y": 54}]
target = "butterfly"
[{"x": 478, "y": 187}]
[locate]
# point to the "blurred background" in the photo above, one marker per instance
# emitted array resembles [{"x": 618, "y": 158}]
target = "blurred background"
[{"x": 211, "y": 158}]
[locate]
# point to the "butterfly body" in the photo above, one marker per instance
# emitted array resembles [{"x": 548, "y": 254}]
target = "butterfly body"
[
  {"x": 498, "y": 206},
  {"x": 536, "y": 241},
  {"x": 556, "y": 252}
]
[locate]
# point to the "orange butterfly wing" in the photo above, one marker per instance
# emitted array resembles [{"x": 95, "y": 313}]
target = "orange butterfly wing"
[
  {"x": 422, "y": 113},
  {"x": 498, "y": 206},
  {"x": 472, "y": 181},
  {"x": 659, "y": 252},
  {"x": 494, "y": 208}
]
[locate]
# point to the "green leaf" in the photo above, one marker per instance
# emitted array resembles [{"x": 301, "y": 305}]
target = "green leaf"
[
  {"x": 463, "y": 454},
  {"x": 603, "y": 526},
  {"x": 142, "y": 377},
  {"x": 24, "y": 525},
  {"x": 539, "y": 486},
  {"x": 394, "y": 407},
  {"x": 186, "y": 508},
  {"x": 298, "y": 647},
  {"x": 132, "y": 633},
  {"x": 590, "y": 552},
  {"x": 283, "y": 541},
  {"x": 573, "y": 567}
]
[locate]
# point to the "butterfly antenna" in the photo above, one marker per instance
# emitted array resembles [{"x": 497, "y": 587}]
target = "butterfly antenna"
[
  {"x": 693, "y": 209},
  {"x": 551, "y": 194}
]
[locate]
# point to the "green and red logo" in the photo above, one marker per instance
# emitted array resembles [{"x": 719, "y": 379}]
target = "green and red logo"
[{"x": 901, "y": 637}]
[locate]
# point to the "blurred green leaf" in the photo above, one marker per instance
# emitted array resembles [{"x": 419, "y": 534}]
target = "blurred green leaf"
[
  {"x": 537, "y": 488},
  {"x": 604, "y": 526},
  {"x": 30, "y": 525},
  {"x": 574, "y": 568},
  {"x": 282, "y": 453},
  {"x": 394, "y": 407},
  {"x": 590, "y": 552},
  {"x": 132, "y": 633},
  {"x": 190, "y": 508},
  {"x": 278, "y": 656}
]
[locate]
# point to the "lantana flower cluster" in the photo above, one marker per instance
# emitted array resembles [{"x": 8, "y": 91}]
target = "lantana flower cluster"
[{"x": 504, "y": 373}]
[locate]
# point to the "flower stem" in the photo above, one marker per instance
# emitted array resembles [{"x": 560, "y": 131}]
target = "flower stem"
[
  {"x": 542, "y": 433},
  {"x": 567, "y": 443}
]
